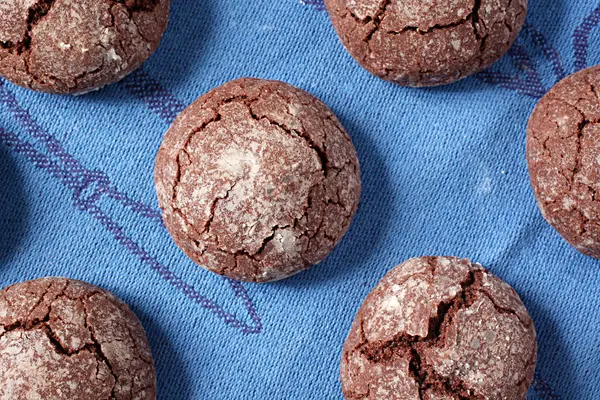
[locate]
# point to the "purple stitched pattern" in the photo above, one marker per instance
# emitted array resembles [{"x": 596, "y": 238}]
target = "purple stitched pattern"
[
  {"x": 158, "y": 100},
  {"x": 75, "y": 176},
  {"x": 89, "y": 186},
  {"x": 551, "y": 54},
  {"x": 581, "y": 38},
  {"x": 517, "y": 83},
  {"x": 543, "y": 389},
  {"x": 527, "y": 82},
  {"x": 318, "y": 4}
]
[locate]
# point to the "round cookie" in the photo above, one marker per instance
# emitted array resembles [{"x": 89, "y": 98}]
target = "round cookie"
[
  {"x": 75, "y": 46},
  {"x": 257, "y": 180},
  {"x": 66, "y": 339},
  {"x": 563, "y": 154},
  {"x": 426, "y": 43},
  {"x": 440, "y": 328}
]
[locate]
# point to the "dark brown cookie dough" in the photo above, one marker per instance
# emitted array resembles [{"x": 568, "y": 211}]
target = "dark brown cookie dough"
[
  {"x": 426, "y": 43},
  {"x": 66, "y": 339},
  {"x": 74, "y": 46},
  {"x": 440, "y": 328},
  {"x": 257, "y": 180},
  {"x": 563, "y": 154}
]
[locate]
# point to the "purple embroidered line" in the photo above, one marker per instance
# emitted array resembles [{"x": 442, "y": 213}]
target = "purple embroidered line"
[
  {"x": 508, "y": 82},
  {"x": 529, "y": 81},
  {"x": 159, "y": 100},
  {"x": 581, "y": 38},
  {"x": 318, "y": 4},
  {"x": 528, "y": 86},
  {"x": 88, "y": 204},
  {"x": 551, "y": 54},
  {"x": 521, "y": 59},
  {"x": 178, "y": 283},
  {"x": 543, "y": 389},
  {"x": 80, "y": 178}
]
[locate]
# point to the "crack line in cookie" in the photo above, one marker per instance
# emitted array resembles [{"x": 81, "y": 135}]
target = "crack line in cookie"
[{"x": 426, "y": 378}]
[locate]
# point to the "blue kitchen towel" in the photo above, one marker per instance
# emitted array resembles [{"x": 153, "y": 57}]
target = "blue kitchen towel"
[{"x": 444, "y": 174}]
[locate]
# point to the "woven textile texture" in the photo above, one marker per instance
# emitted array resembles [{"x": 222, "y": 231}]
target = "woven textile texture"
[{"x": 444, "y": 174}]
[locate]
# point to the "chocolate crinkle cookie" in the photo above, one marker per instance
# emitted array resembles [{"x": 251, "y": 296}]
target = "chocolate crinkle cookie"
[
  {"x": 75, "y": 46},
  {"x": 563, "y": 154},
  {"x": 66, "y": 339},
  {"x": 257, "y": 180},
  {"x": 440, "y": 328},
  {"x": 427, "y": 43}
]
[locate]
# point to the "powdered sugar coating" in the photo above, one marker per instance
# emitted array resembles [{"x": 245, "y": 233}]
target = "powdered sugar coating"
[
  {"x": 454, "y": 331},
  {"x": 67, "y": 46},
  {"x": 66, "y": 339},
  {"x": 257, "y": 180},
  {"x": 426, "y": 42},
  {"x": 563, "y": 154}
]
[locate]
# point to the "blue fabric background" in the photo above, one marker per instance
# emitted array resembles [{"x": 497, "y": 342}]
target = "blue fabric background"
[{"x": 444, "y": 174}]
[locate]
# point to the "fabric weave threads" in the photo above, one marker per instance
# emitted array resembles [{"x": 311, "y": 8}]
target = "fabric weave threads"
[{"x": 445, "y": 174}]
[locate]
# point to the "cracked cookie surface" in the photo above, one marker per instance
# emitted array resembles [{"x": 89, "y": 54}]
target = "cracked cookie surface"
[
  {"x": 440, "y": 328},
  {"x": 75, "y": 46},
  {"x": 425, "y": 42},
  {"x": 257, "y": 180},
  {"x": 66, "y": 339},
  {"x": 563, "y": 154}
]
